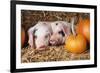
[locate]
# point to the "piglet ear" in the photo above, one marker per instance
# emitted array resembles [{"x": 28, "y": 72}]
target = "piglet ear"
[
  {"x": 34, "y": 46},
  {"x": 34, "y": 37},
  {"x": 31, "y": 40},
  {"x": 66, "y": 30}
]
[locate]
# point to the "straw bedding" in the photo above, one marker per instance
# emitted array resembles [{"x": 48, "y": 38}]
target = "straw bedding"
[{"x": 53, "y": 53}]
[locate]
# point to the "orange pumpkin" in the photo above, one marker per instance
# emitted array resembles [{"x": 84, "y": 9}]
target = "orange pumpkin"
[
  {"x": 83, "y": 27},
  {"x": 22, "y": 37},
  {"x": 76, "y": 44}
]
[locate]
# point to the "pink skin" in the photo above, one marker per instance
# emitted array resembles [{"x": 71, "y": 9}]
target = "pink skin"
[
  {"x": 43, "y": 37},
  {"x": 56, "y": 38},
  {"x": 40, "y": 38}
]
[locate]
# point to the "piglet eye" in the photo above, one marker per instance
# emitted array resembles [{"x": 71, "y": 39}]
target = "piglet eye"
[
  {"x": 61, "y": 32},
  {"x": 56, "y": 23}
]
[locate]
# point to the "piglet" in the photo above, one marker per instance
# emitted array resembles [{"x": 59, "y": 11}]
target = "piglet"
[
  {"x": 61, "y": 30},
  {"x": 39, "y": 35}
]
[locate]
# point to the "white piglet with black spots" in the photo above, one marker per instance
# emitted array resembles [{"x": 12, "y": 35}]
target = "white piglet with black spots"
[
  {"x": 39, "y": 35},
  {"x": 61, "y": 30}
]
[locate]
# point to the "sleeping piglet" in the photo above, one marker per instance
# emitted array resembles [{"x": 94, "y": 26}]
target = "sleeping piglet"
[{"x": 39, "y": 35}]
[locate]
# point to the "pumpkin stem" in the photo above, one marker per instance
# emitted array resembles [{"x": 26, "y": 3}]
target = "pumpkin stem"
[{"x": 72, "y": 26}]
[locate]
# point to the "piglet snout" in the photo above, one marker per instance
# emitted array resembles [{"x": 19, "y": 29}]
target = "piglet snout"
[
  {"x": 53, "y": 42},
  {"x": 43, "y": 46}
]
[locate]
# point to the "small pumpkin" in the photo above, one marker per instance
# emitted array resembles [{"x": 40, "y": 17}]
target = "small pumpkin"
[
  {"x": 76, "y": 44},
  {"x": 22, "y": 37},
  {"x": 83, "y": 27}
]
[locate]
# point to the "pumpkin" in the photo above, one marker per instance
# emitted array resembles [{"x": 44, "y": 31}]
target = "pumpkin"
[
  {"x": 76, "y": 44},
  {"x": 83, "y": 27},
  {"x": 22, "y": 37}
]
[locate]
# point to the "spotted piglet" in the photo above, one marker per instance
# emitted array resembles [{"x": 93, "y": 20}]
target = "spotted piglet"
[
  {"x": 39, "y": 35},
  {"x": 61, "y": 30}
]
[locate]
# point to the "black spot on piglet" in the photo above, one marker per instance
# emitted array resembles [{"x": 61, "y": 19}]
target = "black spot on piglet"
[
  {"x": 34, "y": 36},
  {"x": 34, "y": 31},
  {"x": 62, "y": 33}
]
